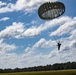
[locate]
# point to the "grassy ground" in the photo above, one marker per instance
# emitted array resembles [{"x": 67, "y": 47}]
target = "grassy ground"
[{"x": 60, "y": 72}]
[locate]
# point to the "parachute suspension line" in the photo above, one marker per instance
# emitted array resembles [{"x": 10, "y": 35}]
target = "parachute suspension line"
[{"x": 55, "y": 39}]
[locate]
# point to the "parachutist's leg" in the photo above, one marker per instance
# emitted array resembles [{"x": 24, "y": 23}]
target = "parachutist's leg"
[{"x": 58, "y": 47}]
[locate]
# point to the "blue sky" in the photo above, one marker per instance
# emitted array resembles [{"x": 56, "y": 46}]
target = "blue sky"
[{"x": 26, "y": 40}]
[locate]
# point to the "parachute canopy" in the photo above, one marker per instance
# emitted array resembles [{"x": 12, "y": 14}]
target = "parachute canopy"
[{"x": 51, "y": 10}]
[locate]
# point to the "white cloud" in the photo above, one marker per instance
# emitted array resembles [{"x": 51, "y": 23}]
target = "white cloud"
[
  {"x": 4, "y": 19},
  {"x": 31, "y": 32},
  {"x": 66, "y": 27},
  {"x": 40, "y": 43},
  {"x": 4, "y": 47},
  {"x": 67, "y": 52},
  {"x": 17, "y": 30},
  {"x": 25, "y": 5},
  {"x": 43, "y": 43},
  {"x": 12, "y": 31},
  {"x": 55, "y": 55},
  {"x": 8, "y": 8},
  {"x": 33, "y": 22},
  {"x": 2, "y": 3},
  {"x": 73, "y": 34},
  {"x": 35, "y": 31},
  {"x": 31, "y": 58}
]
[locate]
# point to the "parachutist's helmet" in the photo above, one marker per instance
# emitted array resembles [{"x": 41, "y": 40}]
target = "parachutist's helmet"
[{"x": 51, "y": 10}]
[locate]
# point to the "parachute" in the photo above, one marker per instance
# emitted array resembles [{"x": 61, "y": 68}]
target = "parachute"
[{"x": 51, "y": 10}]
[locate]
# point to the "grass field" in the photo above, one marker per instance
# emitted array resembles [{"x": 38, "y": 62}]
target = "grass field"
[{"x": 60, "y": 72}]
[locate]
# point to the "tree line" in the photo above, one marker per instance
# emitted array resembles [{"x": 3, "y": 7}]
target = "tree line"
[{"x": 56, "y": 66}]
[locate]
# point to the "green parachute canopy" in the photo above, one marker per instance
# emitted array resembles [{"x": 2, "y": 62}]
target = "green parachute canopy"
[{"x": 51, "y": 10}]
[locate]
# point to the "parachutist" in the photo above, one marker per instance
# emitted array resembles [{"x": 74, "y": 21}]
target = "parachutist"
[{"x": 59, "y": 45}]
